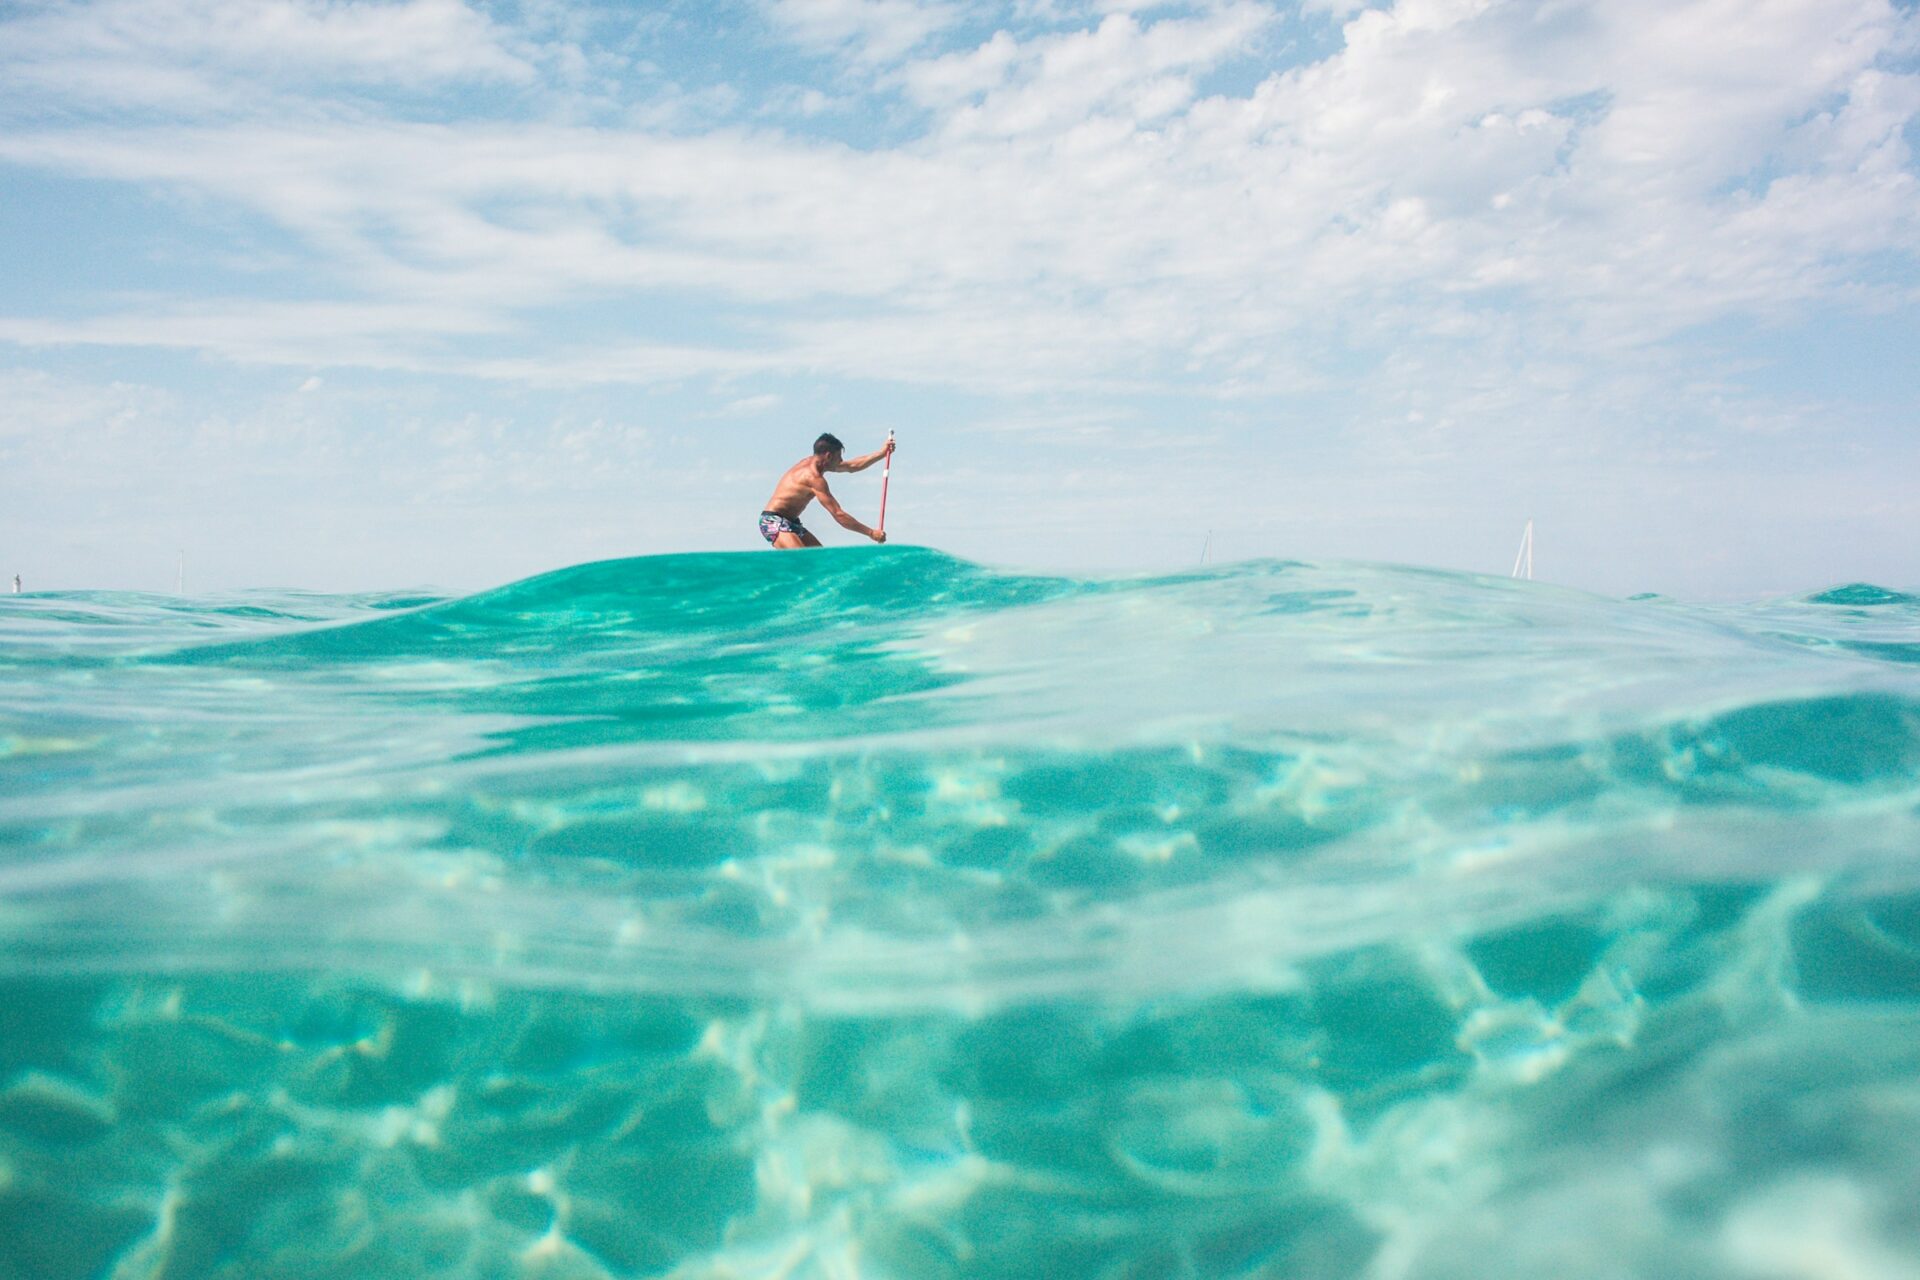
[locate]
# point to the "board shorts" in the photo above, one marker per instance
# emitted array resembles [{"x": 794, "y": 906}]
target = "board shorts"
[{"x": 772, "y": 526}]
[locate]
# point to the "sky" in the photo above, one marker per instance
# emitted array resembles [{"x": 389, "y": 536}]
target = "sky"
[{"x": 368, "y": 294}]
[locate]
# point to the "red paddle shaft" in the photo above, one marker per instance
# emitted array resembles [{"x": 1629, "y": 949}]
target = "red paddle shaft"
[{"x": 886, "y": 474}]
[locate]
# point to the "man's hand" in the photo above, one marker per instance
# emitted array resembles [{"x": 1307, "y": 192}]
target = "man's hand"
[
  {"x": 888, "y": 451},
  {"x": 879, "y": 535}
]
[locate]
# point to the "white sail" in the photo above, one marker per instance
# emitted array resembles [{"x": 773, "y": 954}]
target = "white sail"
[{"x": 1523, "y": 562}]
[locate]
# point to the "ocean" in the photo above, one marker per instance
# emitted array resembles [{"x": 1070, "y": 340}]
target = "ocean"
[{"x": 873, "y": 914}]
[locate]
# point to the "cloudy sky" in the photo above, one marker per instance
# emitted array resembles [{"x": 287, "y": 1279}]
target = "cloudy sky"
[{"x": 366, "y": 294}]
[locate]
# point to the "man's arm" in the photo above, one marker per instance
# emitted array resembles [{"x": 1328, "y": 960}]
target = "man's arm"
[
  {"x": 866, "y": 460},
  {"x": 839, "y": 514}
]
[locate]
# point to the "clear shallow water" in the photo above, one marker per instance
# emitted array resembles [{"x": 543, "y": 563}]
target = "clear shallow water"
[{"x": 874, "y": 914}]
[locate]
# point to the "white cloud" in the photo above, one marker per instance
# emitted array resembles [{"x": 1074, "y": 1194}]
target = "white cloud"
[
  {"x": 749, "y": 405},
  {"x": 1121, "y": 69},
  {"x": 868, "y": 31},
  {"x": 1501, "y": 179},
  {"x": 369, "y": 334},
  {"x": 204, "y": 54},
  {"x": 35, "y": 404}
]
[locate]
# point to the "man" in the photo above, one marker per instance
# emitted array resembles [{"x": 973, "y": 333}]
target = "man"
[{"x": 806, "y": 480}]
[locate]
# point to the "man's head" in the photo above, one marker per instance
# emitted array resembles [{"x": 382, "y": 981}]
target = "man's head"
[{"x": 828, "y": 447}]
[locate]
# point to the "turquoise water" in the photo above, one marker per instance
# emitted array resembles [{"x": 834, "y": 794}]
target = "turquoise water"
[{"x": 875, "y": 914}]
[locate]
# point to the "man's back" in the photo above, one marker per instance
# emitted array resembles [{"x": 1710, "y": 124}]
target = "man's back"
[{"x": 797, "y": 487}]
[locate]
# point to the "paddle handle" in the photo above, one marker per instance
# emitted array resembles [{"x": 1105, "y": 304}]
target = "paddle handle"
[{"x": 886, "y": 474}]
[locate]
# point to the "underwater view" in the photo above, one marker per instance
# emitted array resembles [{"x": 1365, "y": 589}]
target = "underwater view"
[{"x": 874, "y": 914}]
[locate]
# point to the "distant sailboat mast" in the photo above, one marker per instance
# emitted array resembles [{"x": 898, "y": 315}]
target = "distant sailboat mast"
[{"x": 1523, "y": 562}]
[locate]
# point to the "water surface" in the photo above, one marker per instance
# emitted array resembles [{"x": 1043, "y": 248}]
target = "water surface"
[{"x": 876, "y": 914}]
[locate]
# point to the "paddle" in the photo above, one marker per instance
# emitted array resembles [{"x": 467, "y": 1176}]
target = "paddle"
[{"x": 886, "y": 474}]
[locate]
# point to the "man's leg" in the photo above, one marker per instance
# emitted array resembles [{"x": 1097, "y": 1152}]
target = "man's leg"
[{"x": 788, "y": 541}]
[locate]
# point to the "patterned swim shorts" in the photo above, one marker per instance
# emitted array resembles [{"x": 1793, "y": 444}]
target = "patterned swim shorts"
[{"x": 772, "y": 526}]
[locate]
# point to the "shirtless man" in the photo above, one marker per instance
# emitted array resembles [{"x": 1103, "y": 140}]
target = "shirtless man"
[{"x": 806, "y": 480}]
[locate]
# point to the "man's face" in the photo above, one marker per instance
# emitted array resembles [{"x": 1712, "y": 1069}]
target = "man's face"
[{"x": 833, "y": 459}]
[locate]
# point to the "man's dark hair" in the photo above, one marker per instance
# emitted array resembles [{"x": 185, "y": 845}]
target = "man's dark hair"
[{"x": 828, "y": 443}]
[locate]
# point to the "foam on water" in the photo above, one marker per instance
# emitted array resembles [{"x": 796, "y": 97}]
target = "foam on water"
[{"x": 877, "y": 914}]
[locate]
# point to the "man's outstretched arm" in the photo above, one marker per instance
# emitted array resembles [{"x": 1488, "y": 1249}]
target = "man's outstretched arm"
[{"x": 865, "y": 460}]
